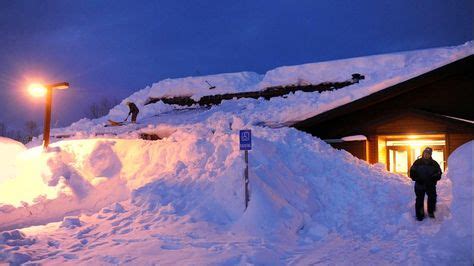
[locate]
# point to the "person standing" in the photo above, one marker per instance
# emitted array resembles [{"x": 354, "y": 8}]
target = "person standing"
[
  {"x": 133, "y": 111},
  {"x": 426, "y": 172}
]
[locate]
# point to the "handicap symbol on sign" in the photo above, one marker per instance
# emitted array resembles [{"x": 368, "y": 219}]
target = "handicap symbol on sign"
[
  {"x": 245, "y": 136},
  {"x": 245, "y": 140}
]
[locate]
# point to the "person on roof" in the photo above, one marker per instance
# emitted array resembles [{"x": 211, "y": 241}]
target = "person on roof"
[
  {"x": 133, "y": 111},
  {"x": 426, "y": 173}
]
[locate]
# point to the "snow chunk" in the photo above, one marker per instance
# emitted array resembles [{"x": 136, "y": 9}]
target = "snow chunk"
[
  {"x": 62, "y": 172},
  {"x": 15, "y": 238},
  {"x": 317, "y": 231},
  {"x": 11, "y": 235},
  {"x": 102, "y": 161},
  {"x": 18, "y": 258},
  {"x": 116, "y": 208},
  {"x": 71, "y": 222}
]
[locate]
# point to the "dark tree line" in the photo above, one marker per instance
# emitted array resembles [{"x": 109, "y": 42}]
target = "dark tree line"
[
  {"x": 101, "y": 107},
  {"x": 31, "y": 129}
]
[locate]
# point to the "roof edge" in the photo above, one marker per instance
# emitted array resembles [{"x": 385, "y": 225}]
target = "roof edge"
[{"x": 387, "y": 93}]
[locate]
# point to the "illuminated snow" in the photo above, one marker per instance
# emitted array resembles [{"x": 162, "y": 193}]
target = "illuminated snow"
[{"x": 116, "y": 199}]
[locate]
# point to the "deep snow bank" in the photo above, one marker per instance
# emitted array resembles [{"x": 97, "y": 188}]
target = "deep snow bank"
[
  {"x": 190, "y": 185},
  {"x": 312, "y": 189},
  {"x": 9, "y": 149},
  {"x": 461, "y": 174},
  {"x": 198, "y": 172},
  {"x": 87, "y": 175},
  {"x": 13, "y": 172},
  {"x": 460, "y": 226}
]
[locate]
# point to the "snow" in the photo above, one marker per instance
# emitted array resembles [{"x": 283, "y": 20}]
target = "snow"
[
  {"x": 9, "y": 149},
  {"x": 380, "y": 71},
  {"x": 194, "y": 179},
  {"x": 460, "y": 119},
  {"x": 197, "y": 86},
  {"x": 182, "y": 202},
  {"x": 354, "y": 138},
  {"x": 103, "y": 196},
  {"x": 16, "y": 183},
  {"x": 71, "y": 222},
  {"x": 461, "y": 174}
]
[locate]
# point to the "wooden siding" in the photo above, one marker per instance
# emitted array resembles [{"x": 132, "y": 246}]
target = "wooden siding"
[
  {"x": 373, "y": 149},
  {"x": 356, "y": 148},
  {"x": 410, "y": 124},
  {"x": 454, "y": 141},
  {"x": 382, "y": 150}
]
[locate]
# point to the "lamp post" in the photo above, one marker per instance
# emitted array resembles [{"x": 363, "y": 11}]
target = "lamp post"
[{"x": 39, "y": 90}]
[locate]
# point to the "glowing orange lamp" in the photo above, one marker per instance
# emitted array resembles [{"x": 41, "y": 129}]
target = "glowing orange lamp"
[{"x": 40, "y": 90}]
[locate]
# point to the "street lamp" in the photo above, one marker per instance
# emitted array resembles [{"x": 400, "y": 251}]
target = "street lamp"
[{"x": 39, "y": 90}]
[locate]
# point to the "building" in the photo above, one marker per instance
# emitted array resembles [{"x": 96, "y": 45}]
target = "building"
[{"x": 394, "y": 125}]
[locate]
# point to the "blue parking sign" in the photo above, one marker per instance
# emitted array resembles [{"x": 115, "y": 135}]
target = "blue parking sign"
[{"x": 245, "y": 140}]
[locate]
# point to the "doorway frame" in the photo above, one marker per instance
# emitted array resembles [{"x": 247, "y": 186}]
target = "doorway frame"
[{"x": 408, "y": 137}]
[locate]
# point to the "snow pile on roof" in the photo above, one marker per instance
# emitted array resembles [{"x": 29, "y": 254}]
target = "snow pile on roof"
[
  {"x": 198, "y": 86},
  {"x": 380, "y": 71},
  {"x": 376, "y": 69}
]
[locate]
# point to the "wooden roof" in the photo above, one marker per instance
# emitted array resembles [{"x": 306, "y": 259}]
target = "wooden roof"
[{"x": 463, "y": 68}]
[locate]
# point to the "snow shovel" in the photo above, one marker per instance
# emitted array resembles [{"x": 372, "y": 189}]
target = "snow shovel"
[
  {"x": 210, "y": 86},
  {"x": 113, "y": 123}
]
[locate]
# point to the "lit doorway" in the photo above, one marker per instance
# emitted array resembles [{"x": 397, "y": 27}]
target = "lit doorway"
[{"x": 401, "y": 151}]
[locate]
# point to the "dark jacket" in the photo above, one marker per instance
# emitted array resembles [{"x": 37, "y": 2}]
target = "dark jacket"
[
  {"x": 133, "y": 109},
  {"x": 425, "y": 172}
]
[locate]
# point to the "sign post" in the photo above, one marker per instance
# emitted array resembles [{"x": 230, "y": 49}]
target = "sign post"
[{"x": 246, "y": 145}]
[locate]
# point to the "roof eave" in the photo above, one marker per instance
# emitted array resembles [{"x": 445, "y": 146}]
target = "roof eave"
[{"x": 387, "y": 93}]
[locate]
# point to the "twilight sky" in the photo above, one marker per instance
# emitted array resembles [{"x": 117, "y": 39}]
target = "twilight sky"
[{"x": 113, "y": 48}]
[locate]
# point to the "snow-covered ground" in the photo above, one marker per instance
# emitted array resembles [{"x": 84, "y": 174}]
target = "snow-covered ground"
[{"x": 103, "y": 196}]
